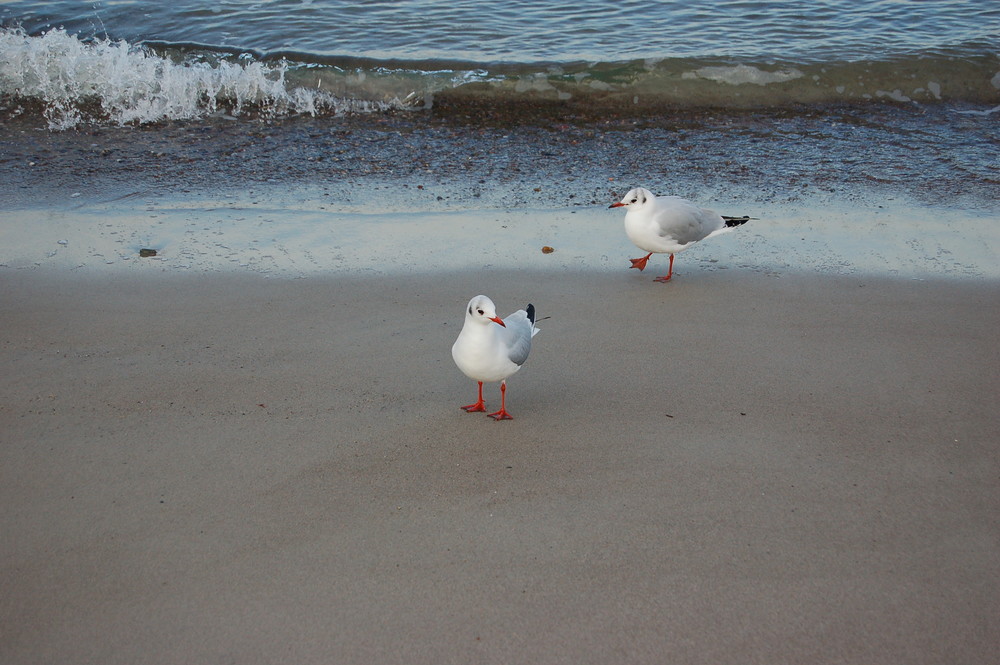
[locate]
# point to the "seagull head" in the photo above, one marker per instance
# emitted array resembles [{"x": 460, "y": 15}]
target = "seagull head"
[
  {"x": 635, "y": 198},
  {"x": 482, "y": 310}
]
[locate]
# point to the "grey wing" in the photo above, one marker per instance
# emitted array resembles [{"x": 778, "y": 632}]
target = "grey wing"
[
  {"x": 685, "y": 222},
  {"x": 682, "y": 234},
  {"x": 519, "y": 332}
]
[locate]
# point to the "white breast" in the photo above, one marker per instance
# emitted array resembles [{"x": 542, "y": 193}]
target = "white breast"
[{"x": 481, "y": 352}]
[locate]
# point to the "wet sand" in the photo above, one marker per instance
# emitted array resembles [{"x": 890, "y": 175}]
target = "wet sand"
[{"x": 249, "y": 448}]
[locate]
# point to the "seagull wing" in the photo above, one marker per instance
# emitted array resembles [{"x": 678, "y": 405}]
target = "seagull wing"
[
  {"x": 517, "y": 336},
  {"x": 684, "y": 222}
]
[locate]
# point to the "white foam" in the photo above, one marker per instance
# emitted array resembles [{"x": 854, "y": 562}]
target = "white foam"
[
  {"x": 895, "y": 95},
  {"x": 130, "y": 84},
  {"x": 986, "y": 112},
  {"x": 741, "y": 74}
]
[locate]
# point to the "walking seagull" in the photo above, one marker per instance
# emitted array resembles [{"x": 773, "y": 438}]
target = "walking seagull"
[{"x": 669, "y": 224}]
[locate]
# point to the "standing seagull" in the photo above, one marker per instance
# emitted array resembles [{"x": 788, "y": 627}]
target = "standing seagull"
[
  {"x": 668, "y": 224},
  {"x": 491, "y": 349}
]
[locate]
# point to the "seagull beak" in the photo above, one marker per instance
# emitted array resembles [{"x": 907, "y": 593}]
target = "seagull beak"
[
  {"x": 497, "y": 319},
  {"x": 616, "y": 205}
]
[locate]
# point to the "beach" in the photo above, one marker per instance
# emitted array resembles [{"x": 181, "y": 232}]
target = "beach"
[
  {"x": 248, "y": 447},
  {"x": 237, "y": 241},
  {"x": 734, "y": 467}
]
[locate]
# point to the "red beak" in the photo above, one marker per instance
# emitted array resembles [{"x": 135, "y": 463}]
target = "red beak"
[
  {"x": 497, "y": 319},
  {"x": 616, "y": 205}
]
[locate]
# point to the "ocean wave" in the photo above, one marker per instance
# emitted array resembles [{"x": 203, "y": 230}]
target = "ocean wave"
[
  {"x": 75, "y": 81},
  {"x": 72, "y": 81}
]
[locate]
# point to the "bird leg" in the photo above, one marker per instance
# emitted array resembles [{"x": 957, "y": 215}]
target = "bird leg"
[
  {"x": 480, "y": 405},
  {"x": 640, "y": 263},
  {"x": 502, "y": 413},
  {"x": 670, "y": 272}
]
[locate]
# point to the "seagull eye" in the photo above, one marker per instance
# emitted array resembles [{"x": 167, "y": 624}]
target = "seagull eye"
[
  {"x": 634, "y": 200},
  {"x": 480, "y": 311}
]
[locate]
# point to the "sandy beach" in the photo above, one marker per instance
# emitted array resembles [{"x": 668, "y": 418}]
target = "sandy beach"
[
  {"x": 237, "y": 243},
  {"x": 236, "y": 453},
  {"x": 248, "y": 448}
]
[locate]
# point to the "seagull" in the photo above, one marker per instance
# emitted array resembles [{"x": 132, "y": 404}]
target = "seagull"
[
  {"x": 668, "y": 224},
  {"x": 491, "y": 349}
]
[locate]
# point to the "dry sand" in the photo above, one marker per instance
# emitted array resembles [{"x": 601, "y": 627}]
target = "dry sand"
[{"x": 790, "y": 460}]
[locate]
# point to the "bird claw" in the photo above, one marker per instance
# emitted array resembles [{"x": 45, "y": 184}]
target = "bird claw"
[
  {"x": 663, "y": 278},
  {"x": 472, "y": 408},
  {"x": 501, "y": 415}
]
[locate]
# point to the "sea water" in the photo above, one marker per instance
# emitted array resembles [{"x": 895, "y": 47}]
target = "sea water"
[{"x": 134, "y": 62}]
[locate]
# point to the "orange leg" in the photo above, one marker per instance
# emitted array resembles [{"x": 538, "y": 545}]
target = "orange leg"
[
  {"x": 502, "y": 413},
  {"x": 640, "y": 263},
  {"x": 480, "y": 405},
  {"x": 670, "y": 272}
]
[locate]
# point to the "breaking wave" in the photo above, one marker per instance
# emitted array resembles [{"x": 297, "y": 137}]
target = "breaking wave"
[{"x": 73, "y": 81}]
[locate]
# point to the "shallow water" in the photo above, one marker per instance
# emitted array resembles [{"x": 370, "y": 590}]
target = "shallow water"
[
  {"x": 935, "y": 156},
  {"x": 136, "y": 62},
  {"x": 533, "y": 31}
]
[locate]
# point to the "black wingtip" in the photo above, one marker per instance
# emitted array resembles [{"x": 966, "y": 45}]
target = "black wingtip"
[
  {"x": 736, "y": 221},
  {"x": 531, "y": 312}
]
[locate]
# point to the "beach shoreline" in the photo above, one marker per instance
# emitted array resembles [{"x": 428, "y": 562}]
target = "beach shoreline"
[
  {"x": 237, "y": 241},
  {"x": 313, "y": 231},
  {"x": 932, "y": 155}
]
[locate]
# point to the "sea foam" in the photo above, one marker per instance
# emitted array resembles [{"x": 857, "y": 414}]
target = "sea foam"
[
  {"x": 71, "y": 80},
  {"x": 114, "y": 81}
]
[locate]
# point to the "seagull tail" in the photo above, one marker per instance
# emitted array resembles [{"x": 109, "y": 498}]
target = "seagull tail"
[
  {"x": 736, "y": 221},
  {"x": 530, "y": 309}
]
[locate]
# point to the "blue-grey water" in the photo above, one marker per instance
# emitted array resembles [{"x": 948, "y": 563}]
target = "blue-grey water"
[
  {"x": 534, "y": 31},
  {"x": 147, "y": 61},
  {"x": 893, "y": 94}
]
